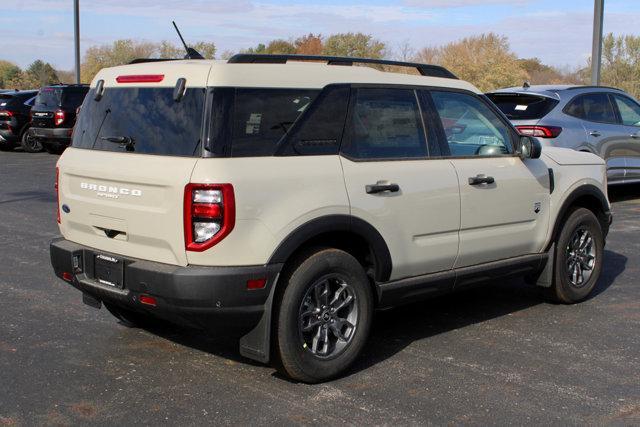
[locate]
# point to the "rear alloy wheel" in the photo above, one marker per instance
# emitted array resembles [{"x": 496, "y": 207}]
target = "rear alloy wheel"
[
  {"x": 578, "y": 257},
  {"x": 324, "y": 316},
  {"x": 30, "y": 144}
]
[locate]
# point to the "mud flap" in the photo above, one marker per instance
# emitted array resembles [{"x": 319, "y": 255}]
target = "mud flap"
[
  {"x": 545, "y": 279},
  {"x": 256, "y": 344}
]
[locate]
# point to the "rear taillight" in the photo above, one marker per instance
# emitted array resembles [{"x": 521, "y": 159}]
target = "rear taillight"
[
  {"x": 209, "y": 214},
  {"x": 540, "y": 131},
  {"x": 5, "y": 113},
  {"x": 57, "y": 187},
  {"x": 58, "y": 117}
]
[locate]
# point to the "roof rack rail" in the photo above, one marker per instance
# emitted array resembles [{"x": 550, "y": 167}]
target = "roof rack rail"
[
  {"x": 423, "y": 69},
  {"x": 143, "y": 60},
  {"x": 578, "y": 87}
]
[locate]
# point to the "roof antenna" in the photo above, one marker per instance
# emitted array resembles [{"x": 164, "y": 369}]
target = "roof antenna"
[
  {"x": 526, "y": 85},
  {"x": 191, "y": 52}
]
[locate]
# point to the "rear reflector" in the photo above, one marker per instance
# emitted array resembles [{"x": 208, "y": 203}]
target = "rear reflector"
[
  {"x": 67, "y": 276},
  {"x": 540, "y": 131},
  {"x": 141, "y": 78},
  {"x": 147, "y": 300},
  {"x": 256, "y": 284}
]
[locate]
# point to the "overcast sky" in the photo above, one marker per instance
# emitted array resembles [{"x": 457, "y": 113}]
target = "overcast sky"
[{"x": 556, "y": 31}]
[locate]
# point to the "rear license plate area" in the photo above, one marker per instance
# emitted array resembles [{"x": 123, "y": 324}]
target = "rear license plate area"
[{"x": 109, "y": 270}]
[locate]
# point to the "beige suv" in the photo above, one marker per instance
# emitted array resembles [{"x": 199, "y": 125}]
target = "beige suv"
[{"x": 286, "y": 198}]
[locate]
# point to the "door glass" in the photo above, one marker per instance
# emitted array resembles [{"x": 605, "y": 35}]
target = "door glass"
[
  {"x": 386, "y": 124},
  {"x": 629, "y": 110},
  {"x": 593, "y": 107},
  {"x": 470, "y": 126}
]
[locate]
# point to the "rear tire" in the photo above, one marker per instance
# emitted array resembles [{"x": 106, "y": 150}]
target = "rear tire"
[
  {"x": 29, "y": 143},
  {"x": 324, "y": 316},
  {"x": 578, "y": 257},
  {"x": 53, "y": 149}
]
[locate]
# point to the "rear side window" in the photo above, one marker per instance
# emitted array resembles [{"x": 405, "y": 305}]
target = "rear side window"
[
  {"x": 73, "y": 97},
  {"x": 385, "y": 124},
  {"x": 142, "y": 120},
  {"x": 261, "y": 117},
  {"x": 518, "y": 106},
  {"x": 593, "y": 107},
  {"x": 48, "y": 97}
]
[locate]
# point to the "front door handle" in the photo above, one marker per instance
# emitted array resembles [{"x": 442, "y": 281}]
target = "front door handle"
[
  {"x": 481, "y": 179},
  {"x": 381, "y": 187},
  {"x": 595, "y": 133}
]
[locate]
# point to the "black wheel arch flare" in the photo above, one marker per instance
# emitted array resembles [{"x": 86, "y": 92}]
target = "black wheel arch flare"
[{"x": 336, "y": 223}]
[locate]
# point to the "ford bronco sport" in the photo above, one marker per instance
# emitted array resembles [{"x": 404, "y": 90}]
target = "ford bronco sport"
[{"x": 287, "y": 198}]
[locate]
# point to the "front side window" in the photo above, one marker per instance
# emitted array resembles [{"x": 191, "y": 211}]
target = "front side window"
[
  {"x": 629, "y": 110},
  {"x": 593, "y": 107},
  {"x": 470, "y": 126},
  {"x": 385, "y": 124}
]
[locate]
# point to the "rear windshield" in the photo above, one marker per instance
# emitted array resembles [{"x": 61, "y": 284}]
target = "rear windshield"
[
  {"x": 49, "y": 97},
  {"x": 142, "y": 120},
  {"x": 518, "y": 106}
]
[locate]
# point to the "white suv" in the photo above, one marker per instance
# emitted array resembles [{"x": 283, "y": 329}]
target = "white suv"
[{"x": 286, "y": 198}]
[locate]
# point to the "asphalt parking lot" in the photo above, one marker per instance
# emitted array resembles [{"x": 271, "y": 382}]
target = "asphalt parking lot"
[{"x": 490, "y": 356}]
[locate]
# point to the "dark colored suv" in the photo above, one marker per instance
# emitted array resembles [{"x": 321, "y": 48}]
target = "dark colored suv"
[
  {"x": 54, "y": 115},
  {"x": 14, "y": 117}
]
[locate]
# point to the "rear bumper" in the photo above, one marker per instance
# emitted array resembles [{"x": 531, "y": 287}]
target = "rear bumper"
[
  {"x": 62, "y": 136},
  {"x": 212, "y": 298}
]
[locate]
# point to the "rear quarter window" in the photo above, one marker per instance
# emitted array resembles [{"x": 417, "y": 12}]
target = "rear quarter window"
[{"x": 523, "y": 106}]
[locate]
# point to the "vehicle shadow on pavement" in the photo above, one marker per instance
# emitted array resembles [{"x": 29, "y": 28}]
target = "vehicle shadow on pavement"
[
  {"x": 623, "y": 193},
  {"x": 39, "y": 196},
  {"x": 395, "y": 329}
]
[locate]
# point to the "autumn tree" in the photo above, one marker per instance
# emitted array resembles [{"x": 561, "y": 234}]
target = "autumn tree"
[
  {"x": 541, "y": 74},
  {"x": 311, "y": 44},
  {"x": 485, "y": 60},
  {"x": 354, "y": 44},
  {"x": 8, "y": 72},
  {"x": 621, "y": 62}
]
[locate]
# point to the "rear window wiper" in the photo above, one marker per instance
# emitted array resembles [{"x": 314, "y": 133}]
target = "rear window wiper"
[{"x": 126, "y": 141}]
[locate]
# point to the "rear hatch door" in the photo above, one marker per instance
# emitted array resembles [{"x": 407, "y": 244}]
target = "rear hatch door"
[
  {"x": 47, "y": 102},
  {"x": 523, "y": 109},
  {"x": 123, "y": 179}
]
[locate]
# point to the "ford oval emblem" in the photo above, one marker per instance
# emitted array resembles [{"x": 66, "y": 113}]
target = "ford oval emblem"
[{"x": 66, "y": 209}]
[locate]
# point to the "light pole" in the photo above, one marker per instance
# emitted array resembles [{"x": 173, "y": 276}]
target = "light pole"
[
  {"x": 596, "y": 50},
  {"x": 76, "y": 36}
]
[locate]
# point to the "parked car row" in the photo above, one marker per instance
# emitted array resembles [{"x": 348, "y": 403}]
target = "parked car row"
[
  {"x": 595, "y": 119},
  {"x": 39, "y": 120}
]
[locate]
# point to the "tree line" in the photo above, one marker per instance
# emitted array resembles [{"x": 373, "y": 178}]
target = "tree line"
[{"x": 485, "y": 60}]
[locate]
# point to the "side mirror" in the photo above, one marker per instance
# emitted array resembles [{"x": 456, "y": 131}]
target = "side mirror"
[{"x": 530, "y": 148}]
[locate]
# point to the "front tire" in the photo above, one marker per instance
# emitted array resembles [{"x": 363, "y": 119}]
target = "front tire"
[
  {"x": 578, "y": 257},
  {"x": 324, "y": 316}
]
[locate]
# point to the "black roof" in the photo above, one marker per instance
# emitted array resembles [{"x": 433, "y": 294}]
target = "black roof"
[{"x": 423, "y": 69}]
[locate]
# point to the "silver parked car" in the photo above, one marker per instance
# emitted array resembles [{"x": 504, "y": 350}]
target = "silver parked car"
[{"x": 601, "y": 120}]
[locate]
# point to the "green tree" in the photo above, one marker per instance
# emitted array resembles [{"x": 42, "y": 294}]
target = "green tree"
[
  {"x": 261, "y": 48},
  {"x": 168, "y": 50},
  {"x": 280, "y": 47},
  {"x": 42, "y": 73},
  {"x": 354, "y": 44},
  {"x": 8, "y": 72}
]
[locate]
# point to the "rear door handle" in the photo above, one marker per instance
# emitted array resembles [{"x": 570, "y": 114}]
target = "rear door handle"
[
  {"x": 381, "y": 187},
  {"x": 595, "y": 133},
  {"x": 481, "y": 179}
]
